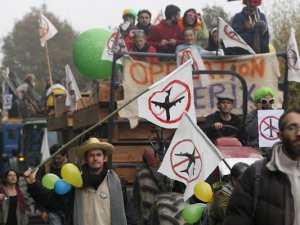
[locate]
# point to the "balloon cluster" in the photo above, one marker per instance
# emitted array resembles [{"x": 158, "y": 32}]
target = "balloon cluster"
[
  {"x": 193, "y": 213},
  {"x": 71, "y": 177}
]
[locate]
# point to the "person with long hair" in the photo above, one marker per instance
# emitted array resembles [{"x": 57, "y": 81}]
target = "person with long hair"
[
  {"x": 12, "y": 200},
  {"x": 191, "y": 18}
]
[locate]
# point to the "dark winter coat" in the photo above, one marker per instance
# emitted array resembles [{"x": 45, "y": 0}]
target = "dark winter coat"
[
  {"x": 275, "y": 205},
  {"x": 238, "y": 25},
  {"x": 213, "y": 134}
]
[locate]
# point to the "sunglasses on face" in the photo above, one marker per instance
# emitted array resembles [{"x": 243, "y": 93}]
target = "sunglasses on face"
[{"x": 265, "y": 101}]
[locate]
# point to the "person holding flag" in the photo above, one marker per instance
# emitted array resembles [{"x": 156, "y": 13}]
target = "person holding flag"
[{"x": 101, "y": 200}]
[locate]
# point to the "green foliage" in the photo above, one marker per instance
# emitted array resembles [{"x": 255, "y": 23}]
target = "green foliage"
[
  {"x": 22, "y": 51},
  {"x": 211, "y": 14},
  {"x": 283, "y": 15}
]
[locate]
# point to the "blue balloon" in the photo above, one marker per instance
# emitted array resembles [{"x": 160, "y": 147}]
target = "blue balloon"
[{"x": 61, "y": 187}]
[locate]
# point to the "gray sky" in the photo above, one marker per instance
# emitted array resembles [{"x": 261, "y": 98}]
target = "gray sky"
[{"x": 86, "y": 14}]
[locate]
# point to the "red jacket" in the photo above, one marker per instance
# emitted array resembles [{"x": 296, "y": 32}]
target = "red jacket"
[
  {"x": 165, "y": 31},
  {"x": 148, "y": 48}
]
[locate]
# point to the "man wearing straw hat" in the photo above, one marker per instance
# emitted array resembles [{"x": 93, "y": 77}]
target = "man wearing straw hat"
[{"x": 99, "y": 201}]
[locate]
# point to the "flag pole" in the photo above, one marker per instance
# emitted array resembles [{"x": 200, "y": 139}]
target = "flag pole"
[
  {"x": 209, "y": 141},
  {"x": 82, "y": 102},
  {"x": 90, "y": 129},
  {"x": 48, "y": 63}
]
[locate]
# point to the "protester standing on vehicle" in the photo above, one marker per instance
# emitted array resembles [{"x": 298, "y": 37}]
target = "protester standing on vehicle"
[
  {"x": 129, "y": 16},
  {"x": 99, "y": 201},
  {"x": 28, "y": 103},
  {"x": 144, "y": 21},
  {"x": 12, "y": 201},
  {"x": 218, "y": 205},
  {"x": 166, "y": 35},
  {"x": 214, "y": 123},
  {"x": 53, "y": 217},
  {"x": 264, "y": 100},
  {"x": 268, "y": 193},
  {"x": 251, "y": 25},
  {"x": 195, "y": 20}
]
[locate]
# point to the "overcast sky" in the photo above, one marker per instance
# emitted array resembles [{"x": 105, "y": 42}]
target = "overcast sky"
[{"x": 85, "y": 14}]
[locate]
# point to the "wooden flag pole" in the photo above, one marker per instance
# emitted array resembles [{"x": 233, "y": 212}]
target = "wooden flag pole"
[
  {"x": 82, "y": 102},
  {"x": 48, "y": 63},
  {"x": 89, "y": 129}
]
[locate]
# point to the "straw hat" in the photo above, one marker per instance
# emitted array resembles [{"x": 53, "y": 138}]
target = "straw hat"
[{"x": 91, "y": 144}]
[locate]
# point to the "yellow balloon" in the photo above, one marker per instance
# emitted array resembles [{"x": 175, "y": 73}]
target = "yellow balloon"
[
  {"x": 203, "y": 191},
  {"x": 71, "y": 174},
  {"x": 272, "y": 48}
]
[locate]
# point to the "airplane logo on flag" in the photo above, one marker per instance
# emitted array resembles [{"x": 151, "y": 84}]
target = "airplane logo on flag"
[
  {"x": 167, "y": 104},
  {"x": 172, "y": 100}
]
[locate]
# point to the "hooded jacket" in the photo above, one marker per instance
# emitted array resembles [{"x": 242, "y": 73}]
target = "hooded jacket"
[{"x": 275, "y": 204}]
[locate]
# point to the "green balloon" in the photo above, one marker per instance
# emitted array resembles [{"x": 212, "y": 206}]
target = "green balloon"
[
  {"x": 49, "y": 180},
  {"x": 192, "y": 213},
  {"x": 87, "y": 51}
]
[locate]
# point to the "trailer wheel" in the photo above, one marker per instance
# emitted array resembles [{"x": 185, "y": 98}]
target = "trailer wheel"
[
  {"x": 167, "y": 209},
  {"x": 145, "y": 190}
]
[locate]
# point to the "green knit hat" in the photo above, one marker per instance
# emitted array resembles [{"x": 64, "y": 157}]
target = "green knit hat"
[{"x": 262, "y": 92}]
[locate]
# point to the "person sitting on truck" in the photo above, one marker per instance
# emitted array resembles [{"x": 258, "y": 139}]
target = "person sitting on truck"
[
  {"x": 251, "y": 25},
  {"x": 101, "y": 200},
  {"x": 166, "y": 35},
  {"x": 53, "y": 217},
  {"x": 214, "y": 44},
  {"x": 214, "y": 123},
  {"x": 218, "y": 205},
  {"x": 264, "y": 100},
  {"x": 195, "y": 20},
  {"x": 139, "y": 43},
  {"x": 129, "y": 16}
]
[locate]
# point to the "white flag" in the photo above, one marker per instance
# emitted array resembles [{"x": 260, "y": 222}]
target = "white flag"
[
  {"x": 167, "y": 99},
  {"x": 7, "y": 97},
  {"x": 191, "y": 52},
  {"x": 293, "y": 59},
  {"x": 230, "y": 37},
  {"x": 111, "y": 46},
  {"x": 45, "y": 146},
  {"x": 73, "y": 93},
  {"x": 160, "y": 16},
  {"x": 47, "y": 30},
  {"x": 268, "y": 129},
  {"x": 191, "y": 156}
]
